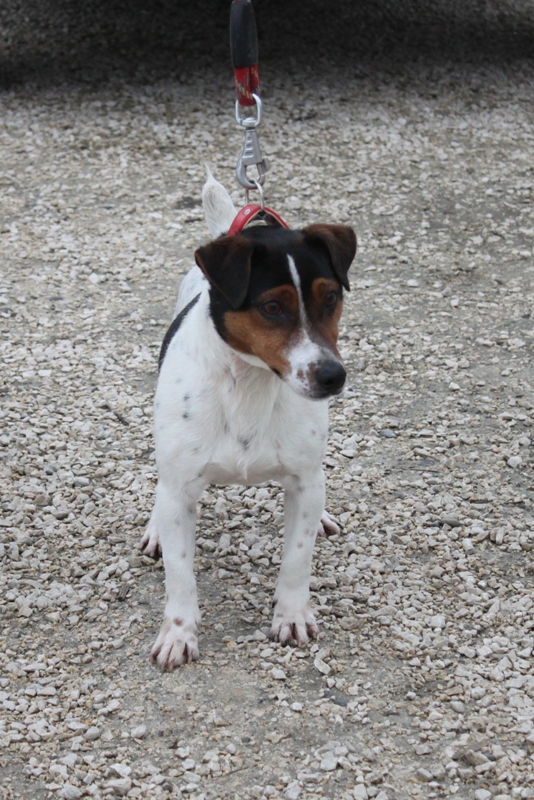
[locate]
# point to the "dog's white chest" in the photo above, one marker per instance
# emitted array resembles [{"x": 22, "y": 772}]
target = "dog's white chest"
[
  {"x": 243, "y": 426},
  {"x": 267, "y": 448}
]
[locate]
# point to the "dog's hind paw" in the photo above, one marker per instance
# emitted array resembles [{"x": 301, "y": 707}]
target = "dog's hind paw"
[
  {"x": 176, "y": 645},
  {"x": 294, "y": 628},
  {"x": 328, "y": 525},
  {"x": 150, "y": 544}
]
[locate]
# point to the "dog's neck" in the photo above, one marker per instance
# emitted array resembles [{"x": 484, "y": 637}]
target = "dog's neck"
[
  {"x": 223, "y": 358},
  {"x": 247, "y": 395}
]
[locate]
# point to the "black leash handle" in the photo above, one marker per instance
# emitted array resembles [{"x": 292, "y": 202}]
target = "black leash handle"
[
  {"x": 244, "y": 51},
  {"x": 243, "y": 35}
]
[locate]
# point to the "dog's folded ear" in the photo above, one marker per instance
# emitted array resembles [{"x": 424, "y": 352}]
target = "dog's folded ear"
[
  {"x": 340, "y": 243},
  {"x": 226, "y": 264}
]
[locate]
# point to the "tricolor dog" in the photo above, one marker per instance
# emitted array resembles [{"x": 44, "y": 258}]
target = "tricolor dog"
[{"x": 246, "y": 370}]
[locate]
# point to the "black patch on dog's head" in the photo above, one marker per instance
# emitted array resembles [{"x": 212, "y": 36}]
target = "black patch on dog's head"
[
  {"x": 241, "y": 268},
  {"x": 339, "y": 241}
]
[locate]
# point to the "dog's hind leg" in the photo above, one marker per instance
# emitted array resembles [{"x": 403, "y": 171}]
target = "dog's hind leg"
[
  {"x": 293, "y": 620},
  {"x": 328, "y": 525},
  {"x": 150, "y": 544},
  {"x": 175, "y": 518}
]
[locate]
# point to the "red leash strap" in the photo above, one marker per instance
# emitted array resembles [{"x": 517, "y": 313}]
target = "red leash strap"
[
  {"x": 244, "y": 50},
  {"x": 247, "y": 83},
  {"x": 253, "y": 212}
]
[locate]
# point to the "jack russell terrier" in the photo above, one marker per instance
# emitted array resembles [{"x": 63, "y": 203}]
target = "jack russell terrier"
[{"x": 246, "y": 370}]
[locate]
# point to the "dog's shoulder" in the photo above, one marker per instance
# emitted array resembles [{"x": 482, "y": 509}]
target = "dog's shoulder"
[
  {"x": 192, "y": 285},
  {"x": 191, "y": 290},
  {"x": 174, "y": 326}
]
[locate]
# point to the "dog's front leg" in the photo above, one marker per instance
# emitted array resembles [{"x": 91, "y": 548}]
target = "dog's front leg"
[
  {"x": 293, "y": 620},
  {"x": 175, "y": 520}
]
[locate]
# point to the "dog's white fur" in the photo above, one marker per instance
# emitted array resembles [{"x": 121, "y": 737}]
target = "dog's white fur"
[
  {"x": 210, "y": 400},
  {"x": 218, "y": 207}
]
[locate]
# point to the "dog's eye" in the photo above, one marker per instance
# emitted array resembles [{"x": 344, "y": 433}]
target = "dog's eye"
[
  {"x": 330, "y": 299},
  {"x": 272, "y": 308}
]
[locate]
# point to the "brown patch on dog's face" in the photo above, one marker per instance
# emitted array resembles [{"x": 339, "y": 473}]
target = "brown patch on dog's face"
[
  {"x": 266, "y": 329},
  {"x": 324, "y": 308},
  {"x": 273, "y": 326}
]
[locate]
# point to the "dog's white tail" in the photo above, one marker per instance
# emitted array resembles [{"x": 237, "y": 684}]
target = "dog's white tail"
[{"x": 218, "y": 207}]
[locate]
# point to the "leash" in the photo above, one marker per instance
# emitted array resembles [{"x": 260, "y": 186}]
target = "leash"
[{"x": 248, "y": 115}]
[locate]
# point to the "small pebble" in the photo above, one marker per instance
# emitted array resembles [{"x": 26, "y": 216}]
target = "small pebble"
[
  {"x": 424, "y": 775},
  {"x": 70, "y": 792},
  {"x": 328, "y": 763}
]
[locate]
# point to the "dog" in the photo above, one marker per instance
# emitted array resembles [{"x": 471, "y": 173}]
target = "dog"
[{"x": 246, "y": 370}]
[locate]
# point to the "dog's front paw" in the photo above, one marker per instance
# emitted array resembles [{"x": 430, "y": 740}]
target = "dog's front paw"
[
  {"x": 150, "y": 544},
  {"x": 293, "y": 627},
  {"x": 328, "y": 525},
  {"x": 176, "y": 644}
]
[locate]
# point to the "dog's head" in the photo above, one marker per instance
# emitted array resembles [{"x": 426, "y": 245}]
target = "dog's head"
[{"x": 276, "y": 297}]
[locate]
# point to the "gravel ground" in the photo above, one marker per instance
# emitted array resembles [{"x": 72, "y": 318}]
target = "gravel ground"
[{"x": 421, "y": 683}]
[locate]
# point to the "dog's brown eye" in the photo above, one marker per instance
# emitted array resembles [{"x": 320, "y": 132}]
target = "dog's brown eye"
[
  {"x": 330, "y": 299},
  {"x": 272, "y": 308}
]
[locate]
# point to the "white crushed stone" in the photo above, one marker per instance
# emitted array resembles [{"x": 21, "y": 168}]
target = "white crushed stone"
[{"x": 421, "y": 684}]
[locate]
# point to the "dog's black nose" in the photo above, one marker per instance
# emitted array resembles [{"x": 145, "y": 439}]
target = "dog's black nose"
[{"x": 330, "y": 377}]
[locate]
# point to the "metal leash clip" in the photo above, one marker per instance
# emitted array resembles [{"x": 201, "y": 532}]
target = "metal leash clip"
[{"x": 251, "y": 155}]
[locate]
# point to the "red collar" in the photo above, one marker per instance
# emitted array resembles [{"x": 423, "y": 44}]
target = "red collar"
[{"x": 251, "y": 212}]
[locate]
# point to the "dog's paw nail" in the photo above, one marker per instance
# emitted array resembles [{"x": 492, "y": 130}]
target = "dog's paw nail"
[{"x": 312, "y": 630}]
